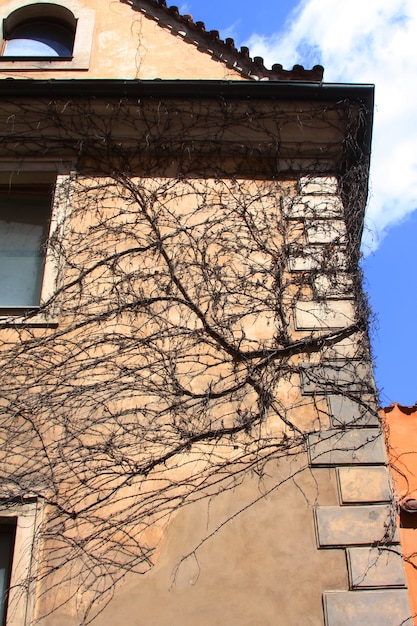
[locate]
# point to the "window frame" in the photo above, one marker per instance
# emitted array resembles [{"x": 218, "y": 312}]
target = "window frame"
[
  {"x": 24, "y": 562},
  {"x": 83, "y": 38},
  {"x": 53, "y": 266}
]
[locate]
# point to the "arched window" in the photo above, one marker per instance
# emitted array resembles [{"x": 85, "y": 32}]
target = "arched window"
[{"x": 41, "y": 30}]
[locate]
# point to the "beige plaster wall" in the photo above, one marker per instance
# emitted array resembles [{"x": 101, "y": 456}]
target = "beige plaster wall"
[
  {"x": 246, "y": 558},
  {"x": 123, "y": 44},
  {"x": 253, "y": 556}
]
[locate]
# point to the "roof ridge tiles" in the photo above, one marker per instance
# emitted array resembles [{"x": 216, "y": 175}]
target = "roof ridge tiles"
[{"x": 225, "y": 50}]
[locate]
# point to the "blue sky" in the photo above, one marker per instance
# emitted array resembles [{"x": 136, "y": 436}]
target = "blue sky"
[{"x": 358, "y": 42}]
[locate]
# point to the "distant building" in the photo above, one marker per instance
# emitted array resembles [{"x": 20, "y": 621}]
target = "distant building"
[
  {"x": 401, "y": 439},
  {"x": 189, "y": 430}
]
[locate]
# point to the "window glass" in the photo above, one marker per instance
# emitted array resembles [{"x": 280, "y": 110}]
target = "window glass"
[
  {"x": 24, "y": 221},
  {"x": 37, "y": 38},
  {"x": 46, "y": 36}
]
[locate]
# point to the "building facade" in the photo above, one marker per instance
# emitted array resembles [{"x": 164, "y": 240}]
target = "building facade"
[
  {"x": 189, "y": 424},
  {"x": 400, "y": 436}
]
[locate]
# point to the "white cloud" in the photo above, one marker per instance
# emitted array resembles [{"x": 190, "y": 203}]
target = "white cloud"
[
  {"x": 231, "y": 30},
  {"x": 184, "y": 8},
  {"x": 365, "y": 41}
]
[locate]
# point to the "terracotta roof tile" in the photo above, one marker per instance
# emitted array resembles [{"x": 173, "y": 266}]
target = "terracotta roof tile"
[
  {"x": 222, "y": 50},
  {"x": 407, "y": 410}
]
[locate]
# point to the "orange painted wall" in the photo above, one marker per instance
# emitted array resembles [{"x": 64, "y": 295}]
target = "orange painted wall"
[{"x": 401, "y": 438}]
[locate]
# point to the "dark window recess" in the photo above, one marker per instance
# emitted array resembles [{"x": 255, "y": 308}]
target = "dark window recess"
[
  {"x": 408, "y": 513},
  {"x": 7, "y": 539}
]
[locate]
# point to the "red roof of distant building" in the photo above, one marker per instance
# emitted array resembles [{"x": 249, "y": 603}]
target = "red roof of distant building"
[{"x": 407, "y": 410}]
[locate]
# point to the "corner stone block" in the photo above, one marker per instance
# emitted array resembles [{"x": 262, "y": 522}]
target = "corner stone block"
[
  {"x": 333, "y": 286},
  {"x": 305, "y": 263},
  {"x": 339, "y": 526},
  {"x": 363, "y": 446},
  {"x": 318, "y": 184},
  {"x": 375, "y": 608},
  {"x": 348, "y": 412},
  {"x": 313, "y": 257},
  {"x": 348, "y": 349},
  {"x": 312, "y": 207},
  {"x": 364, "y": 484},
  {"x": 338, "y": 376},
  {"x": 312, "y": 315},
  {"x": 326, "y": 231},
  {"x": 373, "y": 567}
]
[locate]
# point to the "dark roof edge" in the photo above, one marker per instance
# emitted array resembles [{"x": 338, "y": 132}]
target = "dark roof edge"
[{"x": 187, "y": 88}]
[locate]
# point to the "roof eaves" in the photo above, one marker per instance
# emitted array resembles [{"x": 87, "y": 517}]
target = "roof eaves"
[
  {"x": 222, "y": 50},
  {"x": 192, "y": 89}
]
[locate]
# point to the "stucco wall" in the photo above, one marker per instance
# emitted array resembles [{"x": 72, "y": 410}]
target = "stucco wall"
[
  {"x": 123, "y": 44},
  {"x": 258, "y": 564},
  {"x": 401, "y": 439}
]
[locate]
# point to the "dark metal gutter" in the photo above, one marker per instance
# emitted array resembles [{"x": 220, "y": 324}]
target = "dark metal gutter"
[{"x": 186, "y": 88}]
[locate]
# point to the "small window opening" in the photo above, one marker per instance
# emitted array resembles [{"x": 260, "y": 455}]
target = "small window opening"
[
  {"x": 39, "y": 31},
  {"x": 408, "y": 513},
  {"x": 7, "y": 539}
]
